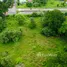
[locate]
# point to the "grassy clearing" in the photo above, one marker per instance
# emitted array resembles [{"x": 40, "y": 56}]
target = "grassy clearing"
[{"x": 32, "y": 44}]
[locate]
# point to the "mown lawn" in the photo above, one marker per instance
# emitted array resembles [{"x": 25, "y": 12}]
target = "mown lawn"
[{"x": 33, "y": 48}]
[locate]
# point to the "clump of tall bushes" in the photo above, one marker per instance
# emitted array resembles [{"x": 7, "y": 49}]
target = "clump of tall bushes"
[
  {"x": 52, "y": 22},
  {"x": 10, "y": 36}
]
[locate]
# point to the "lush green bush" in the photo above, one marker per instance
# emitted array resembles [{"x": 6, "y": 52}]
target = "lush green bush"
[
  {"x": 32, "y": 24},
  {"x": 20, "y": 19},
  {"x": 2, "y": 24},
  {"x": 41, "y": 2},
  {"x": 65, "y": 48},
  {"x": 63, "y": 29},
  {"x": 36, "y": 4},
  {"x": 10, "y": 36},
  {"x": 58, "y": 61},
  {"x": 29, "y": 4},
  {"x": 65, "y": 13},
  {"x": 4, "y": 5},
  {"x": 35, "y": 14},
  {"x": 48, "y": 32},
  {"x": 6, "y": 61},
  {"x": 53, "y": 20}
]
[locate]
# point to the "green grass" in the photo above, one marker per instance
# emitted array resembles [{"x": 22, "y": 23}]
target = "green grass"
[{"x": 31, "y": 44}]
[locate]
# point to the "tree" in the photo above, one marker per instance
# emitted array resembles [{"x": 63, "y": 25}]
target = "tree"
[
  {"x": 4, "y": 5},
  {"x": 53, "y": 20}
]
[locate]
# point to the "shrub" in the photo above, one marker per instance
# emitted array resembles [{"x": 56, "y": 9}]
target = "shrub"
[
  {"x": 65, "y": 48},
  {"x": 32, "y": 24},
  {"x": 10, "y": 36},
  {"x": 53, "y": 20},
  {"x": 65, "y": 13},
  {"x": 29, "y": 4},
  {"x": 47, "y": 32},
  {"x": 6, "y": 61},
  {"x": 20, "y": 19},
  {"x": 2, "y": 24},
  {"x": 34, "y": 14},
  {"x": 58, "y": 61},
  {"x": 36, "y": 4},
  {"x": 63, "y": 29},
  {"x": 2, "y": 15}
]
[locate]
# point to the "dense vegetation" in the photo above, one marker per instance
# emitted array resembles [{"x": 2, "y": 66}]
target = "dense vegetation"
[
  {"x": 22, "y": 44},
  {"x": 43, "y": 4},
  {"x": 52, "y": 22},
  {"x": 10, "y": 36},
  {"x": 2, "y": 24}
]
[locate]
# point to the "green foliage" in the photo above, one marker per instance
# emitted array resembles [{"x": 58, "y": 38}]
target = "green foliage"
[
  {"x": 43, "y": 2},
  {"x": 10, "y": 36},
  {"x": 36, "y": 4},
  {"x": 33, "y": 47},
  {"x": 29, "y": 4},
  {"x": 59, "y": 61},
  {"x": 18, "y": 2},
  {"x": 65, "y": 48},
  {"x": 6, "y": 61},
  {"x": 34, "y": 14},
  {"x": 53, "y": 20},
  {"x": 20, "y": 19},
  {"x": 32, "y": 24},
  {"x": 2, "y": 24},
  {"x": 48, "y": 32},
  {"x": 65, "y": 13},
  {"x": 63, "y": 29},
  {"x": 4, "y": 5}
]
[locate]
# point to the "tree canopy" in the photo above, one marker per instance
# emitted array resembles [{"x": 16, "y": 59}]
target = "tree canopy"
[
  {"x": 4, "y": 5},
  {"x": 53, "y": 20}
]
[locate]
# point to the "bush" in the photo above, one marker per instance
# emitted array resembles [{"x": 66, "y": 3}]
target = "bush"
[
  {"x": 20, "y": 19},
  {"x": 47, "y": 32},
  {"x": 29, "y": 4},
  {"x": 53, "y": 20},
  {"x": 32, "y": 24},
  {"x": 63, "y": 29},
  {"x": 36, "y": 4},
  {"x": 2, "y": 15},
  {"x": 2, "y": 24},
  {"x": 58, "y": 61},
  {"x": 6, "y": 61},
  {"x": 10, "y": 36},
  {"x": 65, "y": 13},
  {"x": 65, "y": 48},
  {"x": 34, "y": 14}
]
